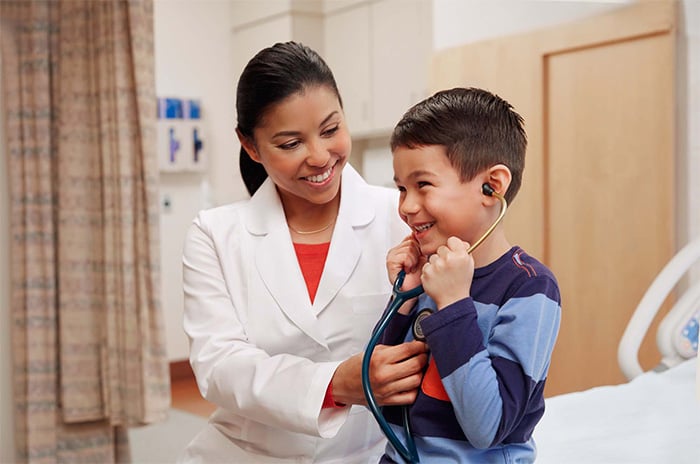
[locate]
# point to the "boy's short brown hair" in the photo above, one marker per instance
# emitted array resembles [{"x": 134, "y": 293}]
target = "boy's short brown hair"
[{"x": 477, "y": 128}]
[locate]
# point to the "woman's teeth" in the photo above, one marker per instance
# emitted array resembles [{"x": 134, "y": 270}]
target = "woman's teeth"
[{"x": 320, "y": 178}]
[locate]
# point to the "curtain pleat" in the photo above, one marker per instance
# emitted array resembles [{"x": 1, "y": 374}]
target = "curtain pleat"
[{"x": 88, "y": 335}]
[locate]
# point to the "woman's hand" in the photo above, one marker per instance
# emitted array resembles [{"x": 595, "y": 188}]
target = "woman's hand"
[
  {"x": 447, "y": 276},
  {"x": 395, "y": 373}
]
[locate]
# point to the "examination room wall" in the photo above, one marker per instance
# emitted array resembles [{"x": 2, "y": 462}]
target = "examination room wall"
[
  {"x": 194, "y": 58},
  {"x": 455, "y": 22}
]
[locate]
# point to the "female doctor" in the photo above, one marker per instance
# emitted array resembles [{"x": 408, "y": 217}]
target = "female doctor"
[{"x": 282, "y": 290}]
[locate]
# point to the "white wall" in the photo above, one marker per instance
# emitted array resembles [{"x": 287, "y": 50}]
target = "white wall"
[
  {"x": 194, "y": 58},
  {"x": 458, "y": 22}
]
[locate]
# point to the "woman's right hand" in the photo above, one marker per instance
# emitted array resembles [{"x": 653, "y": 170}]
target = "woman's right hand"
[{"x": 395, "y": 374}]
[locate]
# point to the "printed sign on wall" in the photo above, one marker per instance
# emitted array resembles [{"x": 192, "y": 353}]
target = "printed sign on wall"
[{"x": 181, "y": 145}]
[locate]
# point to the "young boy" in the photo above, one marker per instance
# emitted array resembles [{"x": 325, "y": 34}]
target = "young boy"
[{"x": 493, "y": 314}]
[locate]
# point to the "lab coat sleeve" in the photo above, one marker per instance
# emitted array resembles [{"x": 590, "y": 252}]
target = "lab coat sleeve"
[{"x": 284, "y": 390}]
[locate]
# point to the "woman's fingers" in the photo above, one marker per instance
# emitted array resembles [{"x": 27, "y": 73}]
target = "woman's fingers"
[
  {"x": 395, "y": 375},
  {"x": 397, "y": 370}
]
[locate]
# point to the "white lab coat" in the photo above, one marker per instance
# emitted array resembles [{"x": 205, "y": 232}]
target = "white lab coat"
[{"x": 260, "y": 350}]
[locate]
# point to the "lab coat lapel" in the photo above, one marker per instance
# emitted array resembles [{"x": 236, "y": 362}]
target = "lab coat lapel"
[
  {"x": 276, "y": 263},
  {"x": 343, "y": 255},
  {"x": 356, "y": 210}
]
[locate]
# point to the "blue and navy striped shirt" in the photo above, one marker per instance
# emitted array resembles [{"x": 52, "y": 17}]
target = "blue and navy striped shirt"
[{"x": 482, "y": 393}]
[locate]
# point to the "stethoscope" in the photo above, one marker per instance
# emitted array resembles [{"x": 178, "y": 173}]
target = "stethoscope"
[{"x": 409, "y": 451}]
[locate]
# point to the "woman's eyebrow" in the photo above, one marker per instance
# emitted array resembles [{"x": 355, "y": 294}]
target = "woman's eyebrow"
[
  {"x": 328, "y": 118},
  {"x": 296, "y": 133}
]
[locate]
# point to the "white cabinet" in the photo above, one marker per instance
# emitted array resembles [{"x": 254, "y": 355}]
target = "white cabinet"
[
  {"x": 401, "y": 48},
  {"x": 380, "y": 54},
  {"x": 347, "y": 52}
]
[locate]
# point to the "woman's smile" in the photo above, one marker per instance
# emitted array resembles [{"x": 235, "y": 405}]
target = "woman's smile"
[{"x": 321, "y": 179}]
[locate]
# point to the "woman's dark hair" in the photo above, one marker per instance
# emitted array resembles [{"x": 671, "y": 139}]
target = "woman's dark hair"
[{"x": 271, "y": 76}]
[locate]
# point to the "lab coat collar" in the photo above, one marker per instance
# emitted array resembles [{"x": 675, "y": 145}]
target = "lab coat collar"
[
  {"x": 282, "y": 277},
  {"x": 266, "y": 214}
]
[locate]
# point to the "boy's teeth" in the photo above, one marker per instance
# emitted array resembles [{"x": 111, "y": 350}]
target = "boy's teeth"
[{"x": 423, "y": 227}]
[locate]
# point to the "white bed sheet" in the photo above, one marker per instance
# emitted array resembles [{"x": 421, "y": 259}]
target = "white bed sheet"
[{"x": 655, "y": 418}]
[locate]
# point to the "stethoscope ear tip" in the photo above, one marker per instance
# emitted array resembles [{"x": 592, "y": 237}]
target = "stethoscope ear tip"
[{"x": 487, "y": 189}]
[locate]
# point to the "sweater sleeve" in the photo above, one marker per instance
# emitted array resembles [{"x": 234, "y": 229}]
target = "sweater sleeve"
[
  {"x": 396, "y": 328},
  {"x": 495, "y": 381}
]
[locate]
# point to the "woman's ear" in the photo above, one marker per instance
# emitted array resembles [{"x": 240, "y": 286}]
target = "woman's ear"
[
  {"x": 249, "y": 146},
  {"x": 499, "y": 178}
]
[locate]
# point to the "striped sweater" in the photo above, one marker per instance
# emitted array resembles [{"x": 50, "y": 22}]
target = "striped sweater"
[{"x": 482, "y": 392}]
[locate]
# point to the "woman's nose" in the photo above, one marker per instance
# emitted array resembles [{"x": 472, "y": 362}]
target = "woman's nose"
[{"x": 319, "y": 154}]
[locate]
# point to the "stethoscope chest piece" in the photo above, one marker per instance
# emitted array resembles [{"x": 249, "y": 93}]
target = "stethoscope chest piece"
[{"x": 417, "y": 329}]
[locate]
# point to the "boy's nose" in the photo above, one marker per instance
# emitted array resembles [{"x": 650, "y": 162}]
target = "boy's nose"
[{"x": 408, "y": 206}]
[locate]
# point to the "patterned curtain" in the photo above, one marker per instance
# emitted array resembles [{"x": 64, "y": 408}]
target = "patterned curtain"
[{"x": 88, "y": 334}]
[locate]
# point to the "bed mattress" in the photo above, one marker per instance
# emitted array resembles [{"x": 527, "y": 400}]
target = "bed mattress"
[{"x": 655, "y": 418}]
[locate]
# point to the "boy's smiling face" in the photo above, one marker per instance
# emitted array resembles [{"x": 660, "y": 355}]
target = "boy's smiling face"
[{"x": 434, "y": 201}]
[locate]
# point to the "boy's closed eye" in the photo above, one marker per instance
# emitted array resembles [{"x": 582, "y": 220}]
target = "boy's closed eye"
[{"x": 419, "y": 185}]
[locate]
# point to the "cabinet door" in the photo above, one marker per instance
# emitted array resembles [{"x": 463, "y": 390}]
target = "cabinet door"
[
  {"x": 347, "y": 51},
  {"x": 610, "y": 216},
  {"x": 401, "y": 49}
]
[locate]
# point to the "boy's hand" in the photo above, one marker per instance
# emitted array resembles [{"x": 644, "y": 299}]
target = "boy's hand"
[
  {"x": 447, "y": 276},
  {"x": 406, "y": 255}
]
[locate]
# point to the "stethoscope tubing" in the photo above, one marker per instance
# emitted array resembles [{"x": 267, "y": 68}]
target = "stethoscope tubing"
[{"x": 409, "y": 452}]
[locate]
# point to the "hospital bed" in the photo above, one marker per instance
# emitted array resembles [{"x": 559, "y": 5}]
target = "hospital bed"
[{"x": 653, "y": 418}]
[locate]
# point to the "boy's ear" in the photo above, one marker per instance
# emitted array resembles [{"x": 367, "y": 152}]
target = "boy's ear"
[
  {"x": 248, "y": 146},
  {"x": 499, "y": 178}
]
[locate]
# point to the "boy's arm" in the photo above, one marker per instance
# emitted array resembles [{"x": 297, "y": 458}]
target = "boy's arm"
[
  {"x": 395, "y": 330},
  {"x": 496, "y": 390}
]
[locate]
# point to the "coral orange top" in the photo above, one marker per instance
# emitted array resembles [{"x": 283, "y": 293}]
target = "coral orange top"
[{"x": 312, "y": 258}]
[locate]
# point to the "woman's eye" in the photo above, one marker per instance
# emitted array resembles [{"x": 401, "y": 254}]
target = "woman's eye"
[
  {"x": 289, "y": 145},
  {"x": 331, "y": 131}
]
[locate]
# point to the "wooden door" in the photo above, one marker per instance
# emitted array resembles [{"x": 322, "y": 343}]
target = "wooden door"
[{"x": 597, "y": 204}]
